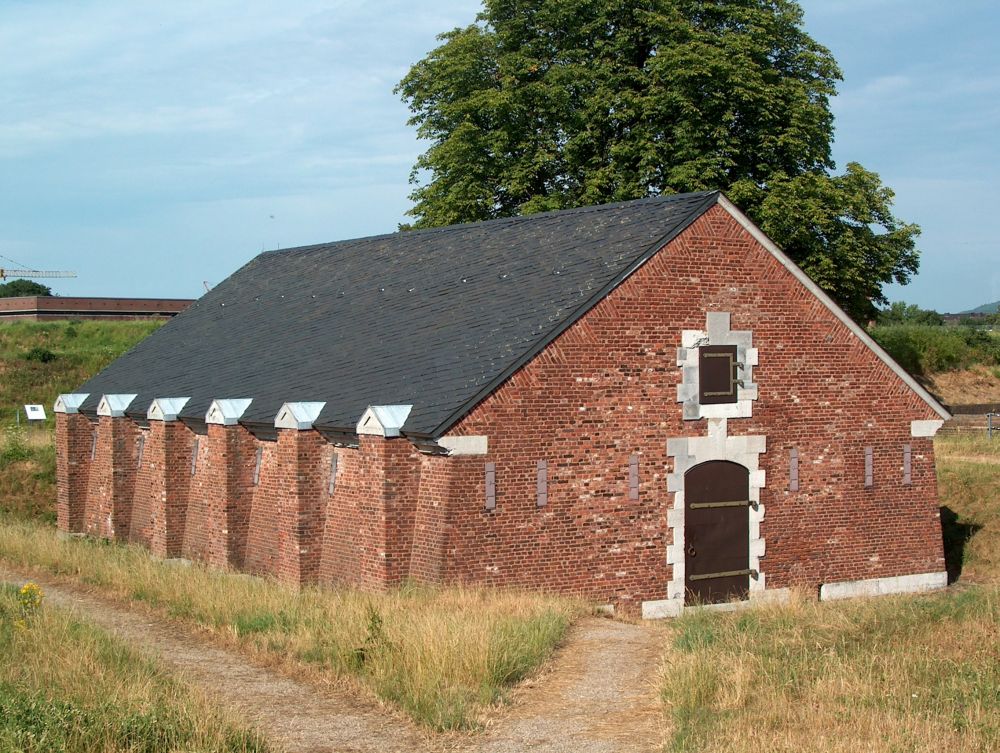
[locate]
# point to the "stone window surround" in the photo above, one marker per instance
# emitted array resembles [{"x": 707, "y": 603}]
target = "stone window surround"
[{"x": 716, "y": 332}]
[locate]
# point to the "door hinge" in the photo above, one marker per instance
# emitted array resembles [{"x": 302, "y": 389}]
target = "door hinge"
[{"x": 727, "y": 574}]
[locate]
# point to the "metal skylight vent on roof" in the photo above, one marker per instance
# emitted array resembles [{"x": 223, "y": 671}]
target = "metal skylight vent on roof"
[
  {"x": 227, "y": 412},
  {"x": 299, "y": 416},
  {"x": 70, "y": 402},
  {"x": 383, "y": 420},
  {"x": 166, "y": 408},
  {"x": 114, "y": 405}
]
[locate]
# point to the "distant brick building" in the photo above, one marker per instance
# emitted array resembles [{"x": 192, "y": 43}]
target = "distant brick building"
[
  {"x": 643, "y": 403},
  {"x": 54, "y": 308}
]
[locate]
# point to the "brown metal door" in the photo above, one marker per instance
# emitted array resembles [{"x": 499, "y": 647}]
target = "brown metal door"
[{"x": 716, "y": 532}]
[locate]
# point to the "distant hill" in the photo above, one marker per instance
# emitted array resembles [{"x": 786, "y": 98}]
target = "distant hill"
[{"x": 986, "y": 308}]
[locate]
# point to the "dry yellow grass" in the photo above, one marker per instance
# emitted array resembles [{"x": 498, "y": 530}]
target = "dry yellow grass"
[
  {"x": 442, "y": 655},
  {"x": 67, "y": 686},
  {"x": 907, "y": 673}
]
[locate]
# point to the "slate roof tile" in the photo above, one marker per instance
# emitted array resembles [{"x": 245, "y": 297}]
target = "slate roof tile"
[{"x": 431, "y": 318}]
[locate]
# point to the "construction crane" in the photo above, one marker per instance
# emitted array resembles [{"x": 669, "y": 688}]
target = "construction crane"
[{"x": 5, "y": 273}]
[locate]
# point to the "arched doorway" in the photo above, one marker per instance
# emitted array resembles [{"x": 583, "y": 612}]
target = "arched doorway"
[{"x": 716, "y": 532}]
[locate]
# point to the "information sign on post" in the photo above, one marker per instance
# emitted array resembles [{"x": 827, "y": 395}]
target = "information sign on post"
[{"x": 34, "y": 412}]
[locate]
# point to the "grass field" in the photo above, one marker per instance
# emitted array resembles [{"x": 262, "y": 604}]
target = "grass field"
[
  {"x": 917, "y": 673},
  {"x": 41, "y": 360},
  {"x": 38, "y": 362},
  {"x": 441, "y": 655},
  {"x": 67, "y": 687},
  {"x": 907, "y": 673}
]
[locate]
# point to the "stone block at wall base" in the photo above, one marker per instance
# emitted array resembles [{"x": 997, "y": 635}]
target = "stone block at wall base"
[{"x": 883, "y": 586}]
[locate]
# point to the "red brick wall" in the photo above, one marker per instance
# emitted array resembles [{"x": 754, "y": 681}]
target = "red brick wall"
[
  {"x": 74, "y": 437},
  {"x": 221, "y": 491},
  {"x": 262, "y": 530},
  {"x": 204, "y": 522},
  {"x": 432, "y": 516},
  {"x": 240, "y": 449},
  {"x": 108, "y": 509},
  {"x": 367, "y": 504},
  {"x": 146, "y": 500}
]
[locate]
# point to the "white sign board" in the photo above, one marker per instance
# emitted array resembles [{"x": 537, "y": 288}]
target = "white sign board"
[{"x": 34, "y": 412}]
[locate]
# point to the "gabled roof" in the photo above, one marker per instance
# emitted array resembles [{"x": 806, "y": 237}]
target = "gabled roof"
[{"x": 433, "y": 319}]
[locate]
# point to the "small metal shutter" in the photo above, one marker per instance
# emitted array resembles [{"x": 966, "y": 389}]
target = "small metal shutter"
[
  {"x": 542, "y": 484},
  {"x": 717, "y": 378},
  {"x": 256, "y": 465},
  {"x": 333, "y": 475},
  {"x": 869, "y": 467},
  {"x": 907, "y": 464},
  {"x": 194, "y": 455},
  {"x": 793, "y": 470},
  {"x": 491, "y": 486},
  {"x": 633, "y": 477}
]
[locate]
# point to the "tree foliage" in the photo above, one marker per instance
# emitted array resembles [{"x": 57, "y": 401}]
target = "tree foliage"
[
  {"x": 551, "y": 104},
  {"x": 901, "y": 313},
  {"x": 16, "y": 288}
]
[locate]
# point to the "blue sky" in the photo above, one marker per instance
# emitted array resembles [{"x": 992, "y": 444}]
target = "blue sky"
[{"x": 151, "y": 147}]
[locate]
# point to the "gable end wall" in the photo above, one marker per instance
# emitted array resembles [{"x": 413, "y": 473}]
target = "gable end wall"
[{"x": 607, "y": 389}]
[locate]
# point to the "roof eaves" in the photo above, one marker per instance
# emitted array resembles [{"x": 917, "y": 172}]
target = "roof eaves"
[{"x": 711, "y": 198}]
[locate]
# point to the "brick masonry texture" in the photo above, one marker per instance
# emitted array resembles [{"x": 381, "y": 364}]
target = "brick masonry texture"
[{"x": 603, "y": 391}]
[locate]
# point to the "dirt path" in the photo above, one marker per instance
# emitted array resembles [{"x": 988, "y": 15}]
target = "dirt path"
[{"x": 597, "y": 696}]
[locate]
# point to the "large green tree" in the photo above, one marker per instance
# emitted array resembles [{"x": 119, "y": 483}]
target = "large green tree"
[
  {"x": 550, "y": 104},
  {"x": 20, "y": 287}
]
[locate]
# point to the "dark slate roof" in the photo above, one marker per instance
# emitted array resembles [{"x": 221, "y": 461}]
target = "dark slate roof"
[{"x": 432, "y": 318}]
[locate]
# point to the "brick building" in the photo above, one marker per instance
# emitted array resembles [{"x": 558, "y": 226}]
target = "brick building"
[
  {"x": 644, "y": 403},
  {"x": 47, "y": 308}
]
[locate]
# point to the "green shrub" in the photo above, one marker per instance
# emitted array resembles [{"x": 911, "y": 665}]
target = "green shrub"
[
  {"x": 41, "y": 355},
  {"x": 925, "y": 349}
]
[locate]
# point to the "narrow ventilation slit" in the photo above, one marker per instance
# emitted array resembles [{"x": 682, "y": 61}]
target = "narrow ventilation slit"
[
  {"x": 256, "y": 465},
  {"x": 140, "y": 446},
  {"x": 907, "y": 465},
  {"x": 333, "y": 475},
  {"x": 869, "y": 467},
  {"x": 633, "y": 478},
  {"x": 542, "y": 484},
  {"x": 793, "y": 470},
  {"x": 491, "y": 486},
  {"x": 194, "y": 455}
]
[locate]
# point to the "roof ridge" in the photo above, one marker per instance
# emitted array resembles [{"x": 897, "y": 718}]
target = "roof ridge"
[{"x": 514, "y": 219}]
